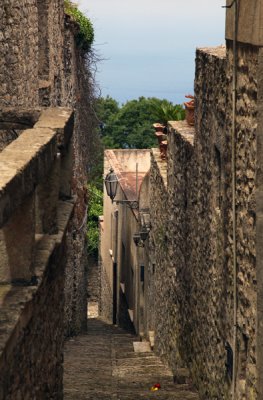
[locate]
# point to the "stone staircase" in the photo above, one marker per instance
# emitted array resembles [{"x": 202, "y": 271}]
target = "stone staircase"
[{"x": 102, "y": 365}]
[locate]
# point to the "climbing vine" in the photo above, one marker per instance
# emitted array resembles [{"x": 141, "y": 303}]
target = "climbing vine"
[
  {"x": 85, "y": 36},
  {"x": 95, "y": 209}
]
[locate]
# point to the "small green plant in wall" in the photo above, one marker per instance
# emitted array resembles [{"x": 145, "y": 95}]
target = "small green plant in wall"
[
  {"x": 95, "y": 209},
  {"x": 85, "y": 35}
]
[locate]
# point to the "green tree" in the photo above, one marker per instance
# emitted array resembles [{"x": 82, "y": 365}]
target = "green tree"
[
  {"x": 130, "y": 126},
  {"x": 106, "y": 107}
]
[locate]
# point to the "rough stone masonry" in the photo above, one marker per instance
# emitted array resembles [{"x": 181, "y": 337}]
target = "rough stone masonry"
[
  {"x": 192, "y": 274},
  {"x": 41, "y": 67}
]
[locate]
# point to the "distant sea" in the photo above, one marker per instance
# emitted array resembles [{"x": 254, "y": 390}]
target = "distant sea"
[
  {"x": 169, "y": 78},
  {"x": 148, "y": 48}
]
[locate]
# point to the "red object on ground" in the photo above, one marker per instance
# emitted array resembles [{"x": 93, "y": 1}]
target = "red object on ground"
[{"x": 155, "y": 387}]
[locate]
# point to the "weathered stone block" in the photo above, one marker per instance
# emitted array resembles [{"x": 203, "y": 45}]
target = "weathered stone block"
[
  {"x": 20, "y": 165},
  {"x": 17, "y": 240},
  {"x": 47, "y": 194}
]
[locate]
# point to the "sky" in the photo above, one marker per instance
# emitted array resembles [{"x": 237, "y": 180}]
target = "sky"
[{"x": 147, "y": 47}]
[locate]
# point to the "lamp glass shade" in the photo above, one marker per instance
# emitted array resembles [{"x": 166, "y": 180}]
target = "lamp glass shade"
[
  {"x": 111, "y": 184},
  {"x": 144, "y": 234},
  {"x": 136, "y": 238}
]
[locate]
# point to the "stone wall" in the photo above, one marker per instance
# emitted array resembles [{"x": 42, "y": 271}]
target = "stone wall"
[
  {"x": 42, "y": 67},
  {"x": 93, "y": 277},
  {"x": 211, "y": 300},
  {"x": 18, "y": 45},
  {"x": 157, "y": 273},
  {"x": 31, "y": 368},
  {"x": 77, "y": 262},
  {"x": 47, "y": 69},
  {"x": 18, "y": 51},
  {"x": 78, "y": 93},
  {"x": 248, "y": 73},
  {"x": 259, "y": 226},
  {"x": 51, "y": 52},
  {"x": 33, "y": 254},
  {"x": 180, "y": 170},
  {"x": 105, "y": 305},
  {"x": 196, "y": 283}
]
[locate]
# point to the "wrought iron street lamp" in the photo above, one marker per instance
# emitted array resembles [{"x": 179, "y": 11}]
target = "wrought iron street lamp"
[
  {"x": 140, "y": 237},
  {"x": 137, "y": 240},
  {"x": 111, "y": 184}
]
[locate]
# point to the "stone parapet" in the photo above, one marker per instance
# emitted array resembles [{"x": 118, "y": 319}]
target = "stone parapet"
[
  {"x": 29, "y": 192},
  {"x": 32, "y": 318},
  {"x": 34, "y": 225},
  {"x": 27, "y": 160},
  {"x": 60, "y": 119},
  {"x": 23, "y": 164},
  {"x": 14, "y": 299}
]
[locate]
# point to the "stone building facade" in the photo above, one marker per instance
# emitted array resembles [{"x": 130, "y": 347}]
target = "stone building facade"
[
  {"x": 44, "y": 158},
  {"x": 120, "y": 259}
]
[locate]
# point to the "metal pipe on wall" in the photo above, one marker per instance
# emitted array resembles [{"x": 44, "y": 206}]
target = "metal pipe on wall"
[
  {"x": 233, "y": 171},
  {"x": 115, "y": 269}
]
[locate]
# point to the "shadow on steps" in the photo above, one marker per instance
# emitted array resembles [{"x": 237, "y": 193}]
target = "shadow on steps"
[{"x": 102, "y": 365}]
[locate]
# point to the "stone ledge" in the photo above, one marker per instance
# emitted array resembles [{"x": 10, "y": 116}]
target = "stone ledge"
[
  {"x": 161, "y": 164},
  {"x": 182, "y": 128},
  {"x": 14, "y": 300},
  {"x": 27, "y": 160},
  {"x": 219, "y": 51},
  {"x": 61, "y": 119},
  {"x": 23, "y": 164}
]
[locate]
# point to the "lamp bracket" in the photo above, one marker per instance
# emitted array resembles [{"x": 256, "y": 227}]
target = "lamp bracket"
[
  {"x": 230, "y": 5},
  {"x": 133, "y": 204}
]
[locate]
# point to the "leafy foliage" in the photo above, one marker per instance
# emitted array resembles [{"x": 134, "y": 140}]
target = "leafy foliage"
[
  {"x": 94, "y": 211},
  {"x": 166, "y": 111},
  {"x": 85, "y": 35},
  {"x": 130, "y": 126}
]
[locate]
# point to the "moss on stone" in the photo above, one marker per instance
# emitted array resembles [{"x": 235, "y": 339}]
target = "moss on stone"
[{"x": 85, "y": 36}]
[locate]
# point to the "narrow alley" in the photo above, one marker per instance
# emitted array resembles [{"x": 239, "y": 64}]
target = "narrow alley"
[{"x": 102, "y": 365}]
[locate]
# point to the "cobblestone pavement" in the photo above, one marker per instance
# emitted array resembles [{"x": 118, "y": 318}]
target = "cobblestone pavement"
[{"x": 102, "y": 365}]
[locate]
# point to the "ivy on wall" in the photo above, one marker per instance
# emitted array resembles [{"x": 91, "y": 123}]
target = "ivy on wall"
[{"x": 85, "y": 36}]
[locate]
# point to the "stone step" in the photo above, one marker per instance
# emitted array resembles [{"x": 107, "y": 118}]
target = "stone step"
[
  {"x": 102, "y": 365},
  {"x": 182, "y": 376}
]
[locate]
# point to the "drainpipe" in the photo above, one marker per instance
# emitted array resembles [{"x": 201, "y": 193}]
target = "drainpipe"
[
  {"x": 137, "y": 198},
  {"x": 115, "y": 270},
  {"x": 233, "y": 170}
]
